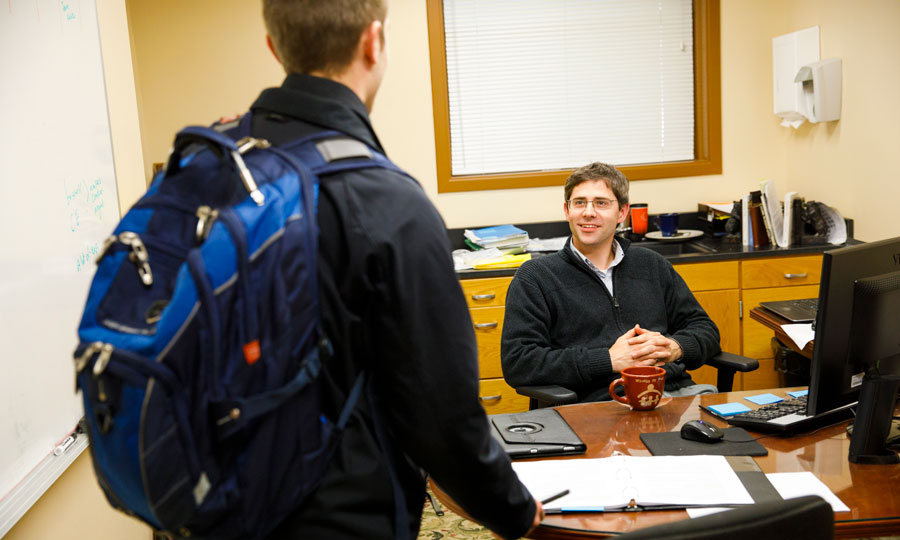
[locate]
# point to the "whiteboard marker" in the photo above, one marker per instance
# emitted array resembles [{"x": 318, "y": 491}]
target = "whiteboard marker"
[{"x": 66, "y": 444}]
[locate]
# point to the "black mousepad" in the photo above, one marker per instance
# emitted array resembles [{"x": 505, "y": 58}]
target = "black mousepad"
[{"x": 736, "y": 442}]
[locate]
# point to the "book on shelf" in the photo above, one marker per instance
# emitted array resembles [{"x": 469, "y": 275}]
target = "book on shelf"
[
  {"x": 765, "y": 220},
  {"x": 500, "y": 236},
  {"x": 759, "y": 236}
]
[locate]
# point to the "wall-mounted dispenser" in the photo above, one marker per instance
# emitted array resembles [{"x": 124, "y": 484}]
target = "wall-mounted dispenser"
[
  {"x": 790, "y": 52},
  {"x": 821, "y": 90}
]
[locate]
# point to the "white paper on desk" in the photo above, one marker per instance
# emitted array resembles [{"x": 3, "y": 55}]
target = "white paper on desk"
[
  {"x": 789, "y": 486},
  {"x": 546, "y": 244},
  {"x": 612, "y": 482},
  {"x": 799, "y": 484},
  {"x": 463, "y": 259},
  {"x": 800, "y": 334}
]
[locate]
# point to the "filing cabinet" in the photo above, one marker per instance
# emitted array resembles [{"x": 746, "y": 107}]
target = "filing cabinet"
[{"x": 486, "y": 298}]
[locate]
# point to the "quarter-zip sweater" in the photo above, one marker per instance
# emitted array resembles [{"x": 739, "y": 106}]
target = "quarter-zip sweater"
[{"x": 561, "y": 320}]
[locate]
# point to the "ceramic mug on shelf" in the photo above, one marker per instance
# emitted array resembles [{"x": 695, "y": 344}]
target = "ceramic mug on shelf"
[{"x": 668, "y": 224}]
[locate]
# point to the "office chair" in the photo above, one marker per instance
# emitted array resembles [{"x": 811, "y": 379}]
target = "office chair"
[
  {"x": 806, "y": 518},
  {"x": 726, "y": 364}
]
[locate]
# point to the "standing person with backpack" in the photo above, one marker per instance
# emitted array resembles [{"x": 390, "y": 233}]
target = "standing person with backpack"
[{"x": 391, "y": 303}]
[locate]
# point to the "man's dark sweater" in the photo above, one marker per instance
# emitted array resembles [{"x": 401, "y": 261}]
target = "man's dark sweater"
[{"x": 561, "y": 320}]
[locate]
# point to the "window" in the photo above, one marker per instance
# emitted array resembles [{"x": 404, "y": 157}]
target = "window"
[{"x": 526, "y": 90}]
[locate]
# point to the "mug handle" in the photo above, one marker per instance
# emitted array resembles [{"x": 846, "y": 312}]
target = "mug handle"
[{"x": 612, "y": 391}]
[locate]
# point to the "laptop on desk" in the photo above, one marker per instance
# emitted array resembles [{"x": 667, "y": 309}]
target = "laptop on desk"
[
  {"x": 537, "y": 433},
  {"x": 796, "y": 311}
]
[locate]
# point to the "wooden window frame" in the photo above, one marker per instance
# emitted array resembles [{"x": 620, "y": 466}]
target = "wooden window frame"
[{"x": 707, "y": 114}]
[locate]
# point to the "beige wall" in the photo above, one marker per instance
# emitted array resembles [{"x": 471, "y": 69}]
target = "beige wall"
[
  {"x": 195, "y": 61},
  {"x": 181, "y": 63},
  {"x": 853, "y": 164}
]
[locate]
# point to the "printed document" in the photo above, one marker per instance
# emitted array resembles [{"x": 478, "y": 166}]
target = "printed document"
[{"x": 609, "y": 484}]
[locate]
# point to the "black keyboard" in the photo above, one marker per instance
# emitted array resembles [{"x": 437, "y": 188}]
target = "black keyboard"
[{"x": 785, "y": 415}]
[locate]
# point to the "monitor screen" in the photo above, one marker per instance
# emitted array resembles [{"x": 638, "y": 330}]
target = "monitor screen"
[{"x": 835, "y": 376}]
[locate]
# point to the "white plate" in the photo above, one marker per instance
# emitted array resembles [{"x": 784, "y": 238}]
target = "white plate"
[{"x": 681, "y": 236}]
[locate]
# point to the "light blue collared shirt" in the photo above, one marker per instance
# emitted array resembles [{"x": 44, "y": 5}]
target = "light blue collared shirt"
[{"x": 606, "y": 276}]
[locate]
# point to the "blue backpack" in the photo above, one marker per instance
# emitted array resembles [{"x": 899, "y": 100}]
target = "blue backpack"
[{"x": 201, "y": 343}]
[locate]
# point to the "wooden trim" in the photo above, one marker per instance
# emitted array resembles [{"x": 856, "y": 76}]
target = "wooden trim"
[{"x": 707, "y": 114}]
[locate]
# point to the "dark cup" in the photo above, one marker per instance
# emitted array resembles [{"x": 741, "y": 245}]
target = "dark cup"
[{"x": 668, "y": 224}]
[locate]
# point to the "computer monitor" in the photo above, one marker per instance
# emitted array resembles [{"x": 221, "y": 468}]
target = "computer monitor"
[
  {"x": 875, "y": 345},
  {"x": 837, "y": 374}
]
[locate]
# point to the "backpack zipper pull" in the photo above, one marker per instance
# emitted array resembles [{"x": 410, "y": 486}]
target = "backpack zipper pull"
[
  {"x": 138, "y": 256},
  {"x": 205, "y": 218},
  {"x": 245, "y": 145},
  {"x": 107, "y": 244},
  {"x": 89, "y": 351},
  {"x": 106, "y": 351},
  {"x": 81, "y": 361}
]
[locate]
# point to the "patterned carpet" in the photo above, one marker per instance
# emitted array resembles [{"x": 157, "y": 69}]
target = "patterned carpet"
[{"x": 450, "y": 525}]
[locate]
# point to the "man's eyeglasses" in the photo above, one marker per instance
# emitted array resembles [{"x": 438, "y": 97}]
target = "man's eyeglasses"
[{"x": 599, "y": 204}]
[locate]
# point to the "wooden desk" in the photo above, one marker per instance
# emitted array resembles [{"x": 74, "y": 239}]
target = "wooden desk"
[
  {"x": 774, "y": 322},
  {"x": 871, "y": 491}
]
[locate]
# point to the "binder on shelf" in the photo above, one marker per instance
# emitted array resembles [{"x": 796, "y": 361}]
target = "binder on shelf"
[{"x": 760, "y": 237}]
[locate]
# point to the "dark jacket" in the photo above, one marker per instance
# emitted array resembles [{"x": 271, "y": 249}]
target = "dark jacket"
[
  {"x": 392, "y": 305},
  {"x": 561, "y": 320}
]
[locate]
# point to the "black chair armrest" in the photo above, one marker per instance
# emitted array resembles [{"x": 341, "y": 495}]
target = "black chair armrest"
[
  {"x": 726, "y": 365},
  {"x": 551, "y": 394},
  {"x": 733, "y": 362}
]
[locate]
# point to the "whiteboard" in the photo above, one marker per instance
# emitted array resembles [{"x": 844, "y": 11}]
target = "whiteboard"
[{"x": 57, "y": 203}]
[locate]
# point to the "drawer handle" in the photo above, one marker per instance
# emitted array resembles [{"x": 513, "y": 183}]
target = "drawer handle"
[
  {"x": 791, "y": 276},
  {"x": 486, "y": 325},
  {"x": 490, "y": 398},
  {"x": 490, "y": 296}
]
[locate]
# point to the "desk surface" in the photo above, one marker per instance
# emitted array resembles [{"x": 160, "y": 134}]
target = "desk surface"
[{"x": 872, "y": 492}]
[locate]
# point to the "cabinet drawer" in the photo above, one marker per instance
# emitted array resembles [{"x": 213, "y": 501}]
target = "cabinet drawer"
[
  {"x": 488, "y": 323},
  {"x": 786, "y": 271},
  {"x": 498, "y": 397},
  {"x": 758, "y": 338},
  {"x": 709, "y": 276},
  {"x": 485, "y": 292}
]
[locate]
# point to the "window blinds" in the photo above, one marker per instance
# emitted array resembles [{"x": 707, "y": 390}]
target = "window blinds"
[{"x": 554, "y": 84}]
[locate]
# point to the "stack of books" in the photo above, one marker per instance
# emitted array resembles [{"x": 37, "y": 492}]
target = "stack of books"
[
  {"x": 507, "y": 238},
  {"x": 766, "y": 221}
]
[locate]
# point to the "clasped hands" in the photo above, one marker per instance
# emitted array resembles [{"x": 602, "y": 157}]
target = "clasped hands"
[{"x": 641, "y": 347}]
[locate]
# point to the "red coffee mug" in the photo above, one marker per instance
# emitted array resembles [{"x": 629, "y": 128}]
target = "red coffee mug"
[{"x": 643, "y": 387}]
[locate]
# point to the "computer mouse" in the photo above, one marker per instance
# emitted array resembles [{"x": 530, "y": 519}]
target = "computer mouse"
[{"x": 698, "y": 430}]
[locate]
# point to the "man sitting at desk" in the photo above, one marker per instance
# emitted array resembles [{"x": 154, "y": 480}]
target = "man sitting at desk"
[{"x": 578, "y": 317}]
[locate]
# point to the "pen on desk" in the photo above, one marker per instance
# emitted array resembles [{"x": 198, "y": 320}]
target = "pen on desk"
[
  {"x": 552, "y": 498},
  {"x": 65, "y": 445}
]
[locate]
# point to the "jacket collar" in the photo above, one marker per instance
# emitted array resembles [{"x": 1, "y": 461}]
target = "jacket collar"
[
  {"x": 568, "y": 254},
  {"x": 322, "y": 102}
]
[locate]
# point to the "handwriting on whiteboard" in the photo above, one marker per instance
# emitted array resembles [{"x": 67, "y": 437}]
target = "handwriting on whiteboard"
[{"x": 84, "y": 201}]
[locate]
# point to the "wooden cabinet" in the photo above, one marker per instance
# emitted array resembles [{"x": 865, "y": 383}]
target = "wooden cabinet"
[
  {"x": 729, "y": 292},
  {"x": 785, "y": 278},
  {"x": 726, "y": 289},
  {"x": 716, "y": 286},
  {"x": 486, "y": 298}
]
